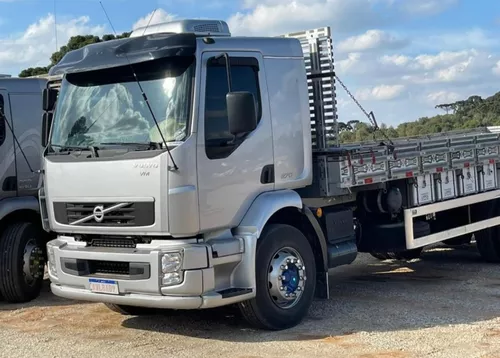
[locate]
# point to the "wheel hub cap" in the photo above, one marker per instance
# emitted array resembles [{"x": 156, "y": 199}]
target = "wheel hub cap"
[{"x": 287, "y": 276}]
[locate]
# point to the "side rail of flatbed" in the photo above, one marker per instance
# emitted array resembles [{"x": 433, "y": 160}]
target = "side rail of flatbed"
[
  {"x": 419, "y": 212},
  {"x": 438, "y": 169}
]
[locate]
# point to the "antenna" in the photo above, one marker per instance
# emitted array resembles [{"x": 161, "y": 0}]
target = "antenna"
[
  {"x": 55, "y": 25},
  {"x": 19, "y": 145},
  {"x": 140, "y": 87}
]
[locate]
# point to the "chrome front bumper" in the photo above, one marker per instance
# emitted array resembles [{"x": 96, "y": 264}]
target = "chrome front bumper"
[{"x": 209, "y": 273}]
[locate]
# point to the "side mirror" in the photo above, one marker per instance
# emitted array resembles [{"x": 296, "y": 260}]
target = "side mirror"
[
  {"x": 241, "y": 112},
  {"x": 49, "y": 99},
  {"x": 46, "y": 125}
]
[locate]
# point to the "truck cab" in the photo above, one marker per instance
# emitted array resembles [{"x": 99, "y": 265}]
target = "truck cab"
[
  {"x": 172, "y": 218},
  {"x": 22, "y": 239}
]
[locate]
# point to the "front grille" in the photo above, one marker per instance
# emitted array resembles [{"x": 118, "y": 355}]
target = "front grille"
[
  {"x": 100, "y": 268},
  {"x": 111, "y": 242},
  {"x": 109, "y": 267},
  {"x": 105, "y": 214}
]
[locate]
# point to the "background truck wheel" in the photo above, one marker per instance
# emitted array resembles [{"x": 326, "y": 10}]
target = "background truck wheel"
[
  {"x": 459, "y": 240},
  {"x": 488, "y": 244},
  {"x": 286, "y": 279},
  {"x": 22, "y": 262},
  {"x": 400, "y": 255},
  {"x": 130, "y": 310},
  {"x": 420, "y": 228}
]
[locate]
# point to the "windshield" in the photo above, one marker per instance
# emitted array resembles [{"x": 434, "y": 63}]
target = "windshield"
[{"x": 107, "y": 106}]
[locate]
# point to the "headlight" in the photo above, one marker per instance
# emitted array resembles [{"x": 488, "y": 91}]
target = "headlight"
[
  {"x": 51, "y": 260},
  {"x": 171, "y": 264}
]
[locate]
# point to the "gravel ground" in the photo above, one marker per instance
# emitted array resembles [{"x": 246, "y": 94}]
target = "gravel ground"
[{"x": 445, "y": 305}]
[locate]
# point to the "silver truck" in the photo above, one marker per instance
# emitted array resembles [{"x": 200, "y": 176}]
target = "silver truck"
[
  {"x": 22, "y": 239},
  {"x": 186, "y": 168}
]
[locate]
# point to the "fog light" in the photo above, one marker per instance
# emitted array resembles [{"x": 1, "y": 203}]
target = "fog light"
[
  {"x": 51, "y": 263},
  {"x": 171, "y": 262},
  {"x": 172, "y": 278}
]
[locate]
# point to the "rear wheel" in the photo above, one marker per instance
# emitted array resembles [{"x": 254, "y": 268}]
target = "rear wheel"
[
  {"x": 400, "y": 255},
  {"x": 488, "y": 240},
  {"x": 285, "y": 279},
  {"x": 488, "y": 244},
  {"x": 22, "y": 262},
  {"x": 459, "y": 240}
]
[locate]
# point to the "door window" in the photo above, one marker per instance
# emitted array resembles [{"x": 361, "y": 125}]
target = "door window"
[{"x": 244, "y": 77}]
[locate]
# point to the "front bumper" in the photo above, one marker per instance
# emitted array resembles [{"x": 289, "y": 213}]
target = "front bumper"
[{"x": 208, "y": 273}]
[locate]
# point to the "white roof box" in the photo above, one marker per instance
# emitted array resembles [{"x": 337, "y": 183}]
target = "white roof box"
[{"x": 198, "y": 27}]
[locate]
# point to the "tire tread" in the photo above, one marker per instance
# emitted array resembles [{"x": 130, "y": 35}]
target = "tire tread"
[{"x": 10, "y": 289}]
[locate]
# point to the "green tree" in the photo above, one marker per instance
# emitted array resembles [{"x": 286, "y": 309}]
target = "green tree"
[{"x": 74, "y": 43}]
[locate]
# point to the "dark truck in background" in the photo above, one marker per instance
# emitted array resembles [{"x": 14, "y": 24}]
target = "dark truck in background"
[{"x": 22, "y": 238}]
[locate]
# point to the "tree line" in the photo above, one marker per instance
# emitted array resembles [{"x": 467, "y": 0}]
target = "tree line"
[
  {"x": 470, "y": 113},
  {"x": 473, "y": 112}
]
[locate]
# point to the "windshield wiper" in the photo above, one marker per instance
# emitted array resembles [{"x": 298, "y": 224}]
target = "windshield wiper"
[
  {"x": 149, "y": 146},
  {"x": 70, "y": 148}
]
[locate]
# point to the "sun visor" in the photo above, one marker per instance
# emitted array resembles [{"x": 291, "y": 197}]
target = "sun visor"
[{"x": 115, "y": 53}]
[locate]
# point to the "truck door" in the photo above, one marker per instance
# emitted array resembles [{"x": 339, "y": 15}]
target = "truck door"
[
  {"x": 8, "y": 181},
  {"x": 231, "y": 176}
]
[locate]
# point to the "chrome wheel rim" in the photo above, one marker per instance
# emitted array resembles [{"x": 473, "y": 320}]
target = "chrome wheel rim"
[
  {"x": 34, "y": 262},
  {"x": 286, "y": 277}
]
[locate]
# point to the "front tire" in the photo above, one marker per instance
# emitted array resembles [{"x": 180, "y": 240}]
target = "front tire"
[
  {"x": 285, "y": 279},
  {"x": 22, "y": 262}
]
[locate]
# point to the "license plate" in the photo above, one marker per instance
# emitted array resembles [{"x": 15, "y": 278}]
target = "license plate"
[{"x": 104, "y": 286}]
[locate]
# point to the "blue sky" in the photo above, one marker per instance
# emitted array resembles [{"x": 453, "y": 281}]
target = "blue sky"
[{"x": 399, "y": 57}]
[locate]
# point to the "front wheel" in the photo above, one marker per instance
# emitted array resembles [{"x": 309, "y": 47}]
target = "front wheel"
[
  {"x": 285, "y": 278},
  {"x": 22, "y": 262}
]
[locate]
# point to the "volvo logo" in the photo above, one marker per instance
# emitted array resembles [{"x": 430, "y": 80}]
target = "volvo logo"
[{"x": 99, "y": 213}]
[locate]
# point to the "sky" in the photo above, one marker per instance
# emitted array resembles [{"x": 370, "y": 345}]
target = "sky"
[{"x": 400, "y": 58}]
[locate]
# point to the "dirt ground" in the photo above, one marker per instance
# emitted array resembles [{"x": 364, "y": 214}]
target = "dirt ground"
[{"x": 445, "y": 305}]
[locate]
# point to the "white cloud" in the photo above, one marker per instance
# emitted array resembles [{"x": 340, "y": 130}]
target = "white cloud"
[
  {"x": 442, "y": 59},
  {"x": 427, "y": 7},
  {"x": 456, "y": 40},
  {"x": 371, "y": 40},
  {"x": 443, "y": 97},
  {"x": 159, "y": 16},
  {"x": 381, "y": 93},
  {"x": 36, "y": 44},
  {"x": 274, "y": 17},
  {"x": 395, "y": 60},
  {"x": 496, "y": 68}
]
